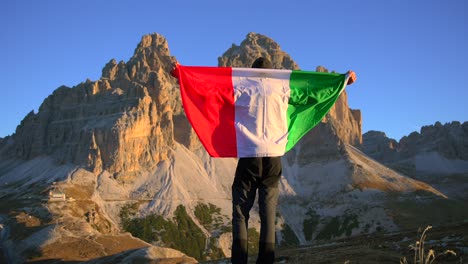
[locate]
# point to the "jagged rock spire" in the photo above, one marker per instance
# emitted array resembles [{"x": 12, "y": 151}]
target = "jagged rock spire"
[
  {"x": 341, "y": 125},
  {"x": 254, "y": 46}
]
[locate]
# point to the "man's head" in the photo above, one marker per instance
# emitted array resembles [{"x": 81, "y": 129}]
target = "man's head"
[{"x": 262, "y": 63}]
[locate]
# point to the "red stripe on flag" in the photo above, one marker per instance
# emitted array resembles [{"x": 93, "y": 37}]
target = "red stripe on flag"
[{"x": 208, "y": 98}]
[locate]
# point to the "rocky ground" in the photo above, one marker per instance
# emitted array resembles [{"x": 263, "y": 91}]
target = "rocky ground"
[
  {"x": 2, "y": 257},
  {"x": 35, "y": 230},
  {"x": 379, "y": 248}
]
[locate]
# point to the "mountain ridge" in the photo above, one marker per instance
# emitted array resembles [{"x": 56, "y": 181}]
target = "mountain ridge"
[
  {"x": 122, "y": 148},
  {"x": 437, "y": 148}
]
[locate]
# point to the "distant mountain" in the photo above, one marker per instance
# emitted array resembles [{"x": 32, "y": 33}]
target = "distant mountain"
[
  {"x": 438, "y": 155},
  {"x": 436, "y": 149},
  {"x": 124, "y": 155}
]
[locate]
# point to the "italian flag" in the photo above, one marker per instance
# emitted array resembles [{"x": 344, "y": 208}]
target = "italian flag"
[{"x": 250, "y": 112}]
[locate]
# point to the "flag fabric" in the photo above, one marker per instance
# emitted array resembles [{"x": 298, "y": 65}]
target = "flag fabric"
[{"x": 251, "y": 112}]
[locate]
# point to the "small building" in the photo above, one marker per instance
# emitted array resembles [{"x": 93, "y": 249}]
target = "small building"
[{"x": 57, "y": 195}]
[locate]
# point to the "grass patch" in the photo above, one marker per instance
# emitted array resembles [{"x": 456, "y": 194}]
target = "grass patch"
[
  {"x": 205, "y": 214},
  {"x": 181, "y": 233},
  {"x": 226, "y": 229},
  {"x": 338, "y": 226},
  {"x": 411, "y": 213},
  {"x": 423, "y": 256},
  {"x": 253, "y": 239},
  {"x": 289, "y": 237},
  {"x": 128, "y": 211},
  {"x": 310, "y": 224}
]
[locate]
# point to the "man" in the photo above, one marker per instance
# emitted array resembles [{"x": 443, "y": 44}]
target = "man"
[
  {"x": 252, "y": 174},
  {"x": 205, "y": 99}
]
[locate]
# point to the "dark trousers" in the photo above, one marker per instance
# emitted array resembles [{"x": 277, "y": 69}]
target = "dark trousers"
[{"x": 254, "y": 174}]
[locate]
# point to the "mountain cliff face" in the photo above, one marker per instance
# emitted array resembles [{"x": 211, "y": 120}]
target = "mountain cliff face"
[
  {"x": 123, "y": 123},
  {"x": 122, "y": 148},
  {"x": 97, "y": 142}
]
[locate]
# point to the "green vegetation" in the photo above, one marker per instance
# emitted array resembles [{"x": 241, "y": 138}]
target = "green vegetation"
[
  {"x": 128, "y": 211},
  {"x": 289, "y": 238},
  {"x": 215, "y": 252},
  {"x": 226, "y": 229},
  {"x": 338, "y": 226},
  {"x": 210, "y": 217},
  {"x": 254, "y": 238},
  {"x": 411, "y": 213},
  {"x": 310, "y": 224},
  {"x": 181, "y": 233},
  {"x": 204, "y": 213}
]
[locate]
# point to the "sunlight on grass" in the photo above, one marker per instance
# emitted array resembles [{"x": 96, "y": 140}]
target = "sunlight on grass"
[{"x": 421, "y": 256}]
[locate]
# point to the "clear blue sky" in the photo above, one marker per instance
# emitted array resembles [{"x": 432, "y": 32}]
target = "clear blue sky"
[{"x": 411, "y": 57}]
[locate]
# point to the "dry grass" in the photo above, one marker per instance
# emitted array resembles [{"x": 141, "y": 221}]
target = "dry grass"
[{"x": 421, "y": 256}]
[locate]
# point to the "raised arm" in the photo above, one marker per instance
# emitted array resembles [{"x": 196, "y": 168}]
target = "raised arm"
[
  {"x": 174, "y": 70},
  {"x": 352, "y": 77}
]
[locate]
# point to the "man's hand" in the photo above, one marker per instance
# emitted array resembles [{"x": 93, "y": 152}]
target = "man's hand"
[
  {"x": 352, "y": 77},
  {"x": 174, "y": 71}
]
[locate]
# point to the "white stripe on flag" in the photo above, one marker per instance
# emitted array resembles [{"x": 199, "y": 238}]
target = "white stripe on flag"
[{"x": 261, "y": 101}]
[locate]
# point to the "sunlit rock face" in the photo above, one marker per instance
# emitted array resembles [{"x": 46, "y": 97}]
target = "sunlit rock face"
[
  {"x": 127, "y": 121},
  {"x": 341, "y": 125},
  {"x": 123, "y": 123}
]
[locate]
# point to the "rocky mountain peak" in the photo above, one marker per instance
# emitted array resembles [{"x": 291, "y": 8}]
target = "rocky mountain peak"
[
  {"x": 254, "y": 46},
  {"x": 344, "y": 124},
  {"x": 122, "y": 123},
  {"x": 154, "y": 41},
  {"x": 150, "y": 59},
  {"x": 134, "y": 109},
  {"x": 151, "y": 55}
]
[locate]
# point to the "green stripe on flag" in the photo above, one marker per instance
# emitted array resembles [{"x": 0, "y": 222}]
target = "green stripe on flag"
[{"x": 312, "y": 96}]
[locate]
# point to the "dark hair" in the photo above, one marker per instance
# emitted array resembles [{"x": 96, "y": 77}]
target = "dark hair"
[{"x": 262, "y": 63}]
